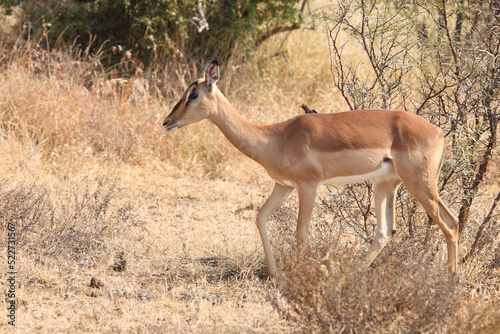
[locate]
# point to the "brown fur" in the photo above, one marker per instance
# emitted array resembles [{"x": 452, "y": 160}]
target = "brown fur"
[{"x": 307, "y": 150}]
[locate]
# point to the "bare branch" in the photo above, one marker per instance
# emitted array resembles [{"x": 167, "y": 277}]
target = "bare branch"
[
  {"x": 473, "y": 248},
  {"x": 201, "y": 21}
]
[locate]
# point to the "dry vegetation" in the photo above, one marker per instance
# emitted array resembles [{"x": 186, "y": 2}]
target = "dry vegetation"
[{"x": 123, "y": 227}]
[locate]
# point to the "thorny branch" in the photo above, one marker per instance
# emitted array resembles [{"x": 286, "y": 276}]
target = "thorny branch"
[{"x": 449, "y": 75}]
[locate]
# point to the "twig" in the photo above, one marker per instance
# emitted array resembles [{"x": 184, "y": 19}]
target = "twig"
[
  {"x": 207, "y": 259},
  {"x": 201, "y": 21},
  {"x": 486, "y": 220}
]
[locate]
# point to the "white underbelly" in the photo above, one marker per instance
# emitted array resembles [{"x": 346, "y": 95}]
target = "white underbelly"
[{"x": 386, "y": 171}]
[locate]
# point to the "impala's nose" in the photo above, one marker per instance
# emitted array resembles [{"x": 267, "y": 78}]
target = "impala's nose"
[{"x": 165, "y": 124}]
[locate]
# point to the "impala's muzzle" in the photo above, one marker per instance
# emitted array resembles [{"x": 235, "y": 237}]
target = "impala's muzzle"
[
  {"x": 167, "y": 124},
  {"x": 170, "y": 126}
]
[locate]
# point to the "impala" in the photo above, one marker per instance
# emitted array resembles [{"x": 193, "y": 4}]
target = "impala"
[{"x": 383, "y": 146}]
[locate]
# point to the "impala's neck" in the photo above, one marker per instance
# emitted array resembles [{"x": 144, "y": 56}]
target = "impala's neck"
[{"x": 247, "y": 137}]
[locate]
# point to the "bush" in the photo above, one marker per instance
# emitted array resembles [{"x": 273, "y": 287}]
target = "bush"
[
  {"x": 152, "y": 30},
  {"x": 448, "y": 75},
  {"x": 75, "y": 226},
  {"x": 327, "y": 291},
  {"x": 439, "y": 60}
]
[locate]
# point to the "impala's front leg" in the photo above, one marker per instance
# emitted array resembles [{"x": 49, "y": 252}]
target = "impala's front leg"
[
  {"x": 307, "y": 194},
  {"x": 279, "y": 194}
]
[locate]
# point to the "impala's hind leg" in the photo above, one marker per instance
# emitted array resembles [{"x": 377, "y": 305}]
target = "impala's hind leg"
[
  {"x": 419, "y": 173},
  {"x": 385, "y": 193},
  {"x": 448, "y": 224},
  {"x": 423, "y": 186}
]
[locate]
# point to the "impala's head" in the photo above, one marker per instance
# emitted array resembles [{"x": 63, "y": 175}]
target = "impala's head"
[{"x": 197, "y": 102}]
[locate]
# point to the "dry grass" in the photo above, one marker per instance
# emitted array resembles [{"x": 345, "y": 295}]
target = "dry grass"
[
  {"x": 405, "y": 291},
  {"x": 165, "y": 223}
]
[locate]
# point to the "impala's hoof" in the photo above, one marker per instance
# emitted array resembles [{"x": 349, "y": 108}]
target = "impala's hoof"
[{"x": 454, "y": 279}]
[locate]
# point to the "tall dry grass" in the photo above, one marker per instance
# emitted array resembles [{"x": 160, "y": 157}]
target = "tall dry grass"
[
  {"x": 405, "y": 291},
  {"x": 66, "y": 104}
]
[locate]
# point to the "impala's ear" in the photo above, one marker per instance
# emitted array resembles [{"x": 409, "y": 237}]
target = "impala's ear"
[{"x": 212, "y": 73}]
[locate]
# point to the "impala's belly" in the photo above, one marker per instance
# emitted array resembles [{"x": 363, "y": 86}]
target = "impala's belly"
[
  {"x": 344, "y": 167},
  {"x": 386, "y": 170}
]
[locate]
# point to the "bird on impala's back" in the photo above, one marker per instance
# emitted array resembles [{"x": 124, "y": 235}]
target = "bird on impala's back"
[{"x": 307, "y": 109}]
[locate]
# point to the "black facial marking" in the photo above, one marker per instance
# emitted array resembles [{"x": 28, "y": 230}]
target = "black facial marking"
[
  {"x": 194, "y": 83},
  {"x": 175, "y": 107}
]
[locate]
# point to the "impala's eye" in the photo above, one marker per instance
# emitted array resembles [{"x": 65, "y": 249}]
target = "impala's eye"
[{"x": 193, "y": 95}]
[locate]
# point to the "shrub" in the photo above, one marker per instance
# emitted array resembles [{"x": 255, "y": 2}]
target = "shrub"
[{"x": 153, "y": 30}]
